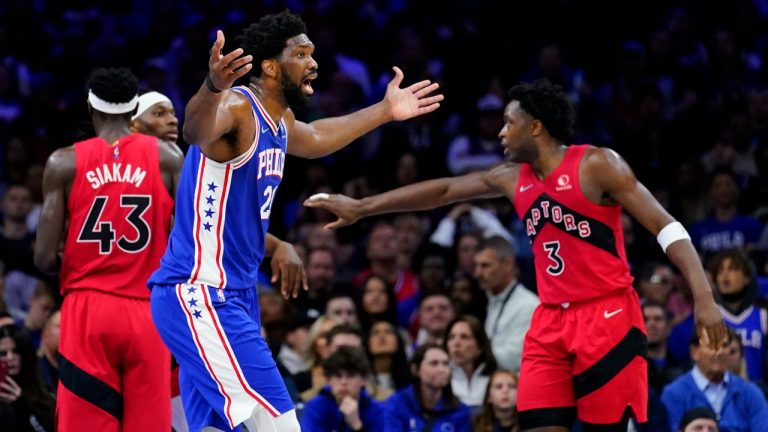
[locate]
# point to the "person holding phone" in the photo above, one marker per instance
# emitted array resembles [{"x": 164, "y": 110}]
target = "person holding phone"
[{"x": 25, "y": 404}]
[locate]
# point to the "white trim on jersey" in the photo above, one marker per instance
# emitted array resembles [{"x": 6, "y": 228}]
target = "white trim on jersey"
[
  {"x": 209, "y": 208},
  {"x": 737, "y": 319},
  {"x": 214, "y": 348}
]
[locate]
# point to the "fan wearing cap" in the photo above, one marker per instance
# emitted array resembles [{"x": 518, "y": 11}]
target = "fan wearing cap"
[{"x": 116, "y": 193}]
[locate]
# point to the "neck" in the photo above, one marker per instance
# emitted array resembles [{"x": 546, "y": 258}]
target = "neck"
[
  {"x": 14, "y": 229},
  {"x": 505, "y": 416},
  {"x": 270, "y": 98},
  {"x": 500, "y": 289},
  {"x": 725, "y": 213},
  {"x": 469, "y": 369},
  {"x": 112, "y": 130},
  {"x": 550, "y": 156},
  {"x": 714, "y": 377},
  {"x": 430, "y": 396},
  {"x": 657, "y": 351},
  {"x": 382, "y": 363},
  {"x": 52, "y": 358},
  {"x": 386, "y": 268}
]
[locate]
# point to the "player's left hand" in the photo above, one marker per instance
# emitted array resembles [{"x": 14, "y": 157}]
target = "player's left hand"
[
  {"x": 413, "y": 100},
  {"x": 709, "y": 324},
  {"x": 289, "y": 270}
]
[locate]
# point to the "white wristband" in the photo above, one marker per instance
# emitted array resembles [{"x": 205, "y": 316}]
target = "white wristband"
[{"x": 670, "y": 234}]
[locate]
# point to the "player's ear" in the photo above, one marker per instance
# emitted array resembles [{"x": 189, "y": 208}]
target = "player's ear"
[
  {"x": 134, "y": 126},
  {"x": 537, "y": 127},
  {"x": 270, "y": 68}
]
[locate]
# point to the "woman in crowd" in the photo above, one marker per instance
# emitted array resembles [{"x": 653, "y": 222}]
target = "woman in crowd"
[
  {"x": 389, "y": 365},
  {"x": 25, "y": 404},
  {"x": 429, "y": 404},
  {"x": 467, "y": 297},
  {"x": 472, "y": 360},
  {"x": 499, "y": 412},
  {"x": 377, "y": 302}
]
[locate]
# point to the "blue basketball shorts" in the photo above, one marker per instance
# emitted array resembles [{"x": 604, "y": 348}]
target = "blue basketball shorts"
[{"x": 226, "y": 368}]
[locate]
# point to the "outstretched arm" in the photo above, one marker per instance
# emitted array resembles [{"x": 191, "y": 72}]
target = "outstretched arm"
[
  {"x": 418, "y": 196},
  {"x": 59, "y": 172},
  {"x": 325, "y": 136},
  {"x": 213, "y": 110},
  {"x": 612, "y": 175}
]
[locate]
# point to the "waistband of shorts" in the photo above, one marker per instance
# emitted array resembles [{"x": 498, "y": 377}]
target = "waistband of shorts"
[
  {"x": 173, "y": 286},
  {"x": 576, "y": 304}
]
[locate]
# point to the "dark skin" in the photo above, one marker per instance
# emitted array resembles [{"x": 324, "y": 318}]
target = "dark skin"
[
  {"x": 60, "y": 173},
  {"x": 222, "y": 123},
  {"x": 605, "y": 178},
  {"x": 160, "y": 121}
]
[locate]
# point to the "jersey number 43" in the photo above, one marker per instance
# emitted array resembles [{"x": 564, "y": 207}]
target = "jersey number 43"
[{"x": 101, "y": 232}]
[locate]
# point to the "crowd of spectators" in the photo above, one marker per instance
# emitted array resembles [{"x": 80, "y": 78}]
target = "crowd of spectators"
[{"x": 424, "y": 314}]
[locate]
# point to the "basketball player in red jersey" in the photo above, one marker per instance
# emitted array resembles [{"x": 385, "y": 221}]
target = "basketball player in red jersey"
[
  {"x": 115, "y": 192},
  {"x": 584, "y": 353}
]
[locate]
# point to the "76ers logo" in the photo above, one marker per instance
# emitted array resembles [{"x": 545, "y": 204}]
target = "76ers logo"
[{"x": 563, "y": 183}]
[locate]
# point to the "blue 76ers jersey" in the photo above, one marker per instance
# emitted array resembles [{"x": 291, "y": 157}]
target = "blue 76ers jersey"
[{"x": 222, "y": 211}]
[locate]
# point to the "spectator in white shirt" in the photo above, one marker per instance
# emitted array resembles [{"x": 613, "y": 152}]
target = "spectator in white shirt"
[
  {"x": 510, "y": 304},
  {"x": 472, "y": 360}
]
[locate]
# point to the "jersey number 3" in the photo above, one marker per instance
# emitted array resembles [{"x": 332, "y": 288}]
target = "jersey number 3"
[
  {"x": 101, "y": 232},
  {"x": 557, "y": 265}
]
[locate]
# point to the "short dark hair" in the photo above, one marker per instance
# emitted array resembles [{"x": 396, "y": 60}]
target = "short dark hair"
[
  {"x": 738, "y": 258},
  {"x": 652, "y": 303},
  {"x": 499, "y": 244},
  {"x": 266, "y": 39},
  {"x": 346, "y": 360},
  {"x": 547, "y": 103},
  {"x": 696, "y": 413},
  {"x": 116, "y": 85},
  {"x": 342, "y": 328}
]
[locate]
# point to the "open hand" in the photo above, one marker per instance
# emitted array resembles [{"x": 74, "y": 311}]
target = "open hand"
[
  {"x": 709, "y": 324},
  {"x": 345, "y": 208},
  {"x": 288, "y": 268},
  {"x": 411, "y": 101},
  {"x": 223, "y": 70}
]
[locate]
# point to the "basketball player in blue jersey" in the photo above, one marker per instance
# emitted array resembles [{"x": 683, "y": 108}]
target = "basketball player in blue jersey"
[{"x": 203, "y": 299}]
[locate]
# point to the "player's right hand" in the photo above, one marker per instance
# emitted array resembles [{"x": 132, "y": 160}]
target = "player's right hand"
[
  {"x": 345, "y": 208},
  {"x": 223, "y": 70}
]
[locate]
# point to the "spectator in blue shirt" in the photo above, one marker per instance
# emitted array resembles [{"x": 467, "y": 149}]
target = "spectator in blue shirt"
[
  {"x": 429, "y": 404},
  {"x": 343, "y": 405},
  {"x": 739, "y": 405}
]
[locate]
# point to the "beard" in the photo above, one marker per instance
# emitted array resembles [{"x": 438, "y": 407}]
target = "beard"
[{"x": 294, "y": 97}]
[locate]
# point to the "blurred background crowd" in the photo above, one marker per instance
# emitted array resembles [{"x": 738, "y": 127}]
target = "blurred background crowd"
[{"x": 680, "y": 89}]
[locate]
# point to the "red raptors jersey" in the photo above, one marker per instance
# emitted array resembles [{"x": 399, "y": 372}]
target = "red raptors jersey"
[
  {"x": 578, "y": 246},
  {"x": 119, "y": 217}
]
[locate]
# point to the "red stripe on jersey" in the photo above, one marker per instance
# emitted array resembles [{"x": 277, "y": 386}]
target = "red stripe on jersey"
[{"x": 191, "y": 322}]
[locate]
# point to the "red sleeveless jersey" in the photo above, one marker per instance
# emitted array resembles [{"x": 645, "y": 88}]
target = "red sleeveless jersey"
[
  {"x": 119, "y": 217},
  {"x": 578, "y": 246}
]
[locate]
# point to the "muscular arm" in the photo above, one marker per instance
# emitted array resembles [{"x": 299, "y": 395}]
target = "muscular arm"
[
  {"x": 419, "y": 196},
  {"x": 325, "y": 136},
  {"x": 611, "y": 174},
  {"x": 210, "y": 117},
  {"x": 171, "y": 161},
  {"x": 59, "y": 173}
]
